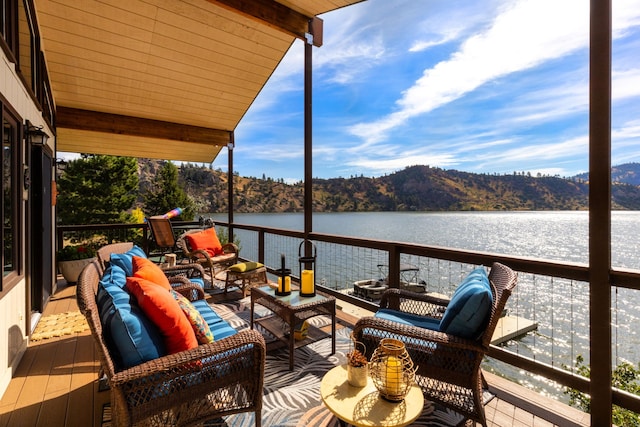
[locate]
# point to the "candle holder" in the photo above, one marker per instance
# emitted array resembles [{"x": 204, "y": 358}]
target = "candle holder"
[
  {"x": 284, "y": 279},
  {"x": 391, "y": 370},
  {"x": 307, "y": 269},
  {"x": 284, "y": 282}
]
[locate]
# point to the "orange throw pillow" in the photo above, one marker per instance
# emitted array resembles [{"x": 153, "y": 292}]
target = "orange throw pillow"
[
  {"x": 146, "y": 269},
  {"x": 206, "y": 240},
  {"x": 164, "y": 311}
]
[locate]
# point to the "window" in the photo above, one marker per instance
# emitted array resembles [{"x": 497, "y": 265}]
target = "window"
[
  {"x": 11, "y": 196},
  {"x": 8, "y": 20}
]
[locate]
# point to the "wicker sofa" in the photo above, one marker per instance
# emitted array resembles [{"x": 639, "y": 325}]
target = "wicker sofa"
[{"x": 186, "y": 388}]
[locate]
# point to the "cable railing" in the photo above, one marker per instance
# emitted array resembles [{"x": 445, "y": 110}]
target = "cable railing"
[{"x": 552, "y": 295}]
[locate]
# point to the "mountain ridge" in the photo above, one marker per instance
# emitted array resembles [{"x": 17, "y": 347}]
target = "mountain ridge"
[{"x": 415, "y": 188}]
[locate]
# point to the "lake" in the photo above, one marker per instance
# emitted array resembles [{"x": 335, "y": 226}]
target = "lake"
[
  {"x": 551, "y": 235},
  {"x": 559, "y": 306}
]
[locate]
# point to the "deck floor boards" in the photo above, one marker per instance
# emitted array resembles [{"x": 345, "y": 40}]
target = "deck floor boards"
[{"x": 56, "y": 384}]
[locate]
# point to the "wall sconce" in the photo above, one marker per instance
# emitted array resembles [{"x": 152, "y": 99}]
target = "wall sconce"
[{"x": 34, "y": 134}]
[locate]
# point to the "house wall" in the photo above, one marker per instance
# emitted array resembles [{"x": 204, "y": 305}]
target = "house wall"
[{"x": 14, "y": 304}]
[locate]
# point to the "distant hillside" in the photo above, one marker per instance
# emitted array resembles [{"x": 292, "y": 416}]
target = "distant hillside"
[
  {"x": 416, "y": 188},
  {"x": 628, "y": 173}
]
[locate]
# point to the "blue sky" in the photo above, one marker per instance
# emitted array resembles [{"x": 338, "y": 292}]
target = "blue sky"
[{"x": 489, "y": 87}]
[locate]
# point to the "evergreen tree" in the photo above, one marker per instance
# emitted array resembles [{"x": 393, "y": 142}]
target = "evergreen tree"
[
  {"x": 166, "y": 194},
  {"x": 97, "y": 189}
]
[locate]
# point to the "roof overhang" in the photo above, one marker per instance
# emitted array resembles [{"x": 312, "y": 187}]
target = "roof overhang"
[{"x": 162, "y": 78}]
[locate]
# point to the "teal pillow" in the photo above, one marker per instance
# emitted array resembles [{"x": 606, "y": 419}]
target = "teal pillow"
[
  {"x": 130, "y": 336},
  {"x": 469, "y": 310},
  {"x": 124, "y": 260}
]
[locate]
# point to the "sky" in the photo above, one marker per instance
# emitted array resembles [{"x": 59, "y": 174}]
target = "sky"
[{"x": 487, "y": 87}]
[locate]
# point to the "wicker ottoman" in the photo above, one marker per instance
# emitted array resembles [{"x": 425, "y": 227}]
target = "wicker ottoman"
[{"x": 245, "y": 276}]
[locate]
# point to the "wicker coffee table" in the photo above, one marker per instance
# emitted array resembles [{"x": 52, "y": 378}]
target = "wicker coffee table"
[
  {"x": 363, "y": 406},
  {"x": 291, "y": 310}
]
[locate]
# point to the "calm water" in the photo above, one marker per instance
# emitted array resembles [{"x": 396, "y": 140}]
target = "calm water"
[
  {"x": 550, "y": 235},
  {"x": 557, "y": 305}
]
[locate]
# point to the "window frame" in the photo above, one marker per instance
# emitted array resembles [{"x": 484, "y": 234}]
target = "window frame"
[{"x": 17, "y": 209}]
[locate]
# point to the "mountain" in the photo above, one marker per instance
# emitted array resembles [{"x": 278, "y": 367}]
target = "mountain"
[
  {"x": 416, "y": 188},
  {"x": 628, "y": 173}
]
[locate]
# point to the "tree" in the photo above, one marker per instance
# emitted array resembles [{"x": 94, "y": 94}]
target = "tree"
[
  {"x": 97, "y": 189},
  {"x": 166, "y": 194},
  {"x": 625, "y": 377}
]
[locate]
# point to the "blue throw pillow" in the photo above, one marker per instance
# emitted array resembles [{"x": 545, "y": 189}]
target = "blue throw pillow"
[
  {"x": 469, "y": 310},
  {"x": 131, "y": 337},
  {"x": 124, "y": 260}
]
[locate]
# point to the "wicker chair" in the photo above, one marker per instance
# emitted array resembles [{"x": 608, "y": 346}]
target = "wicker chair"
[
  {"x": 187, "y": 388},
  {"x": 213, "y": 263},
  {"x": 448, "y": 367}
]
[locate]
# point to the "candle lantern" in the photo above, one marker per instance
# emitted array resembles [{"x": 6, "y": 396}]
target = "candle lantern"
[
  {"x": 392, "y": 370},
  {"x": 307, "y": 262},
  {"x": 284, "y": 279}
]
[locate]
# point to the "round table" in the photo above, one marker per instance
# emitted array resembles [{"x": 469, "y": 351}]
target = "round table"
[{"x": 363, "y": 406}]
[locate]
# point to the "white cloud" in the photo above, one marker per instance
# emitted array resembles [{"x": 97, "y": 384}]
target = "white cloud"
[{"x": 521, "y": 37}]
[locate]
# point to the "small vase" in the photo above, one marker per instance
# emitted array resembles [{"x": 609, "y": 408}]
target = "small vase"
[
  {"x": 357, "y": 375},
  {"x": 71, "y": 270}
]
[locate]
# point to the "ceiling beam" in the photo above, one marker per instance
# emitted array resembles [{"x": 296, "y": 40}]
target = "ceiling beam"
[
  {"x": 278, "y": 16},
  {"x": 74, "y": 118}
]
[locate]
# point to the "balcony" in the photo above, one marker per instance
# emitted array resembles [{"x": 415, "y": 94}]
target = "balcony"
[
  {"x": 71, "y": 380},
  {"x": 57, "y": 384}
]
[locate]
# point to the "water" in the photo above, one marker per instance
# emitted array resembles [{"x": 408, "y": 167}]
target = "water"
[
  {"x": 559, "y": 306},
  {"x": 560, "y": 236}
]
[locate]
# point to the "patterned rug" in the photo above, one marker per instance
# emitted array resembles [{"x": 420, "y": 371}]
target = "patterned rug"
[
  {"x": 292, "y": 398},
  {"x": 57, "y": 325}
]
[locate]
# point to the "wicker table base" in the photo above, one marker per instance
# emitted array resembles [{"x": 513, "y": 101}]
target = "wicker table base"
[
  {"x": 245, "y": 280},
  {"x": 290, "y": 310}
]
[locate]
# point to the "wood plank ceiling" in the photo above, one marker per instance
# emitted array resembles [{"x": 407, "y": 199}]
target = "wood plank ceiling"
[{"x": 164, "y": 79}]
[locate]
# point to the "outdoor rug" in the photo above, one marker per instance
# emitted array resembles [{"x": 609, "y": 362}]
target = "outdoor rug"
[
  {"x": 57, "y": 325},
  {"x": 292, "y": 398}
]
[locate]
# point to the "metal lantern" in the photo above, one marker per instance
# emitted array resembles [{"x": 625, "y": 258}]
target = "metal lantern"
[
  {"x": 307, "y": 269},
  {"x": 392, "y": 370},
  {"x": 284, "y": 279}
]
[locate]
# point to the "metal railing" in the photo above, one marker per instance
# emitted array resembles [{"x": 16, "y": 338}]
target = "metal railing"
[{"x": 552, "y": 294}]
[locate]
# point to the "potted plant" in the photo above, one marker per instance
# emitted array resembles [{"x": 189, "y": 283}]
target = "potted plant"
[
  {"x": 357, "y": 368},
  {"x": 72, "y": 259}
]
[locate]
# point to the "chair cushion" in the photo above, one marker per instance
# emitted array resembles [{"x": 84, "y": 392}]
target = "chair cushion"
[
  {"x": 241, "y": 267},
  {"x": 206, "y": 240},
  {"x": 165, "y": 312},
  {"x": 470, "y": 307},
  {"x": 409, "y": 319},
  {"x": 146, "y": 269},
  {"x": 200, "y": 327},
  {"x": 124, "y": 260},
  {"x": 219, "y": 327},
  {"x": 130, "y": 336}
]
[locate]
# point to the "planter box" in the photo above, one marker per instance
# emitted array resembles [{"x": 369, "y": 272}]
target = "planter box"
[{"x": 71, "y": 270}]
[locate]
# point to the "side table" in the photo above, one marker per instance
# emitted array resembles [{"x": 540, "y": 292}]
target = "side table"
[
  {"x": 363, "y": 406},
  {"x": 291, "y": 310}
]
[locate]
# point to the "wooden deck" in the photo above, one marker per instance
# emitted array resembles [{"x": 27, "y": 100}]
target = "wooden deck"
[{"x": 56, "y": 385}]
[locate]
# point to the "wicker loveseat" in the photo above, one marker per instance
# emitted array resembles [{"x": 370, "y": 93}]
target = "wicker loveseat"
[{"x": 185, "y": 388}]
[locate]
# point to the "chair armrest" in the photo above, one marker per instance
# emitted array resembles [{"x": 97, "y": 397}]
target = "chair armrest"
[
  {"x": 190, "y": 271},
  {"x": 200, "y": 254},
  {"x": 220, "y": 378},
  {"x": 228, "y": 248},
  {"x": 206, "y": 357},
  {"x": 414, "y": 303},
  {"x": 191, "y": 291},
  {"x": 393, "y": 329}
]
